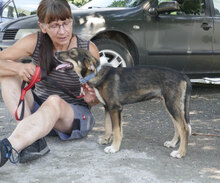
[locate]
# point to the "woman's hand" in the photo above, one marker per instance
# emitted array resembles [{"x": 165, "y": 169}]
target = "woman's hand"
[
  {"x": 90, "y": 96},
  {"x": 26, "y": 71}
]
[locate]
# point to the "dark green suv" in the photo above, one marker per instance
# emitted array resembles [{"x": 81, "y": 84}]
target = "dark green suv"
[{"x": 181, "y": 34}]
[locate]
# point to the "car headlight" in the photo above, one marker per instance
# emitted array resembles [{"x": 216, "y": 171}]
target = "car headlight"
[{"x": 24, "y": 32}]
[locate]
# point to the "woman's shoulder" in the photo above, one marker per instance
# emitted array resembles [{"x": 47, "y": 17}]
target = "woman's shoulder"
[
  {"x": 30, "y": 38},
  {"x": 29, "y": 42},
  {"x": 94, "y": 50}
]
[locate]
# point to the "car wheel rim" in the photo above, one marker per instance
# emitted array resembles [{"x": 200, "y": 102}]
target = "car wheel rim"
[{"x": 112, "y": 58}]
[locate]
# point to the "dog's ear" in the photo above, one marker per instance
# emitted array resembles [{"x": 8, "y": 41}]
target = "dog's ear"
[
  {"x": 90, "y": 61},
  {"x": 90, "y": 65},
  {"x": 74, "y": 53}
]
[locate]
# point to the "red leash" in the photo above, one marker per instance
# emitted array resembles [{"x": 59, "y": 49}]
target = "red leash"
[
  {"x": 38, "y": 75},
  {"x": 36, "y": 78}
]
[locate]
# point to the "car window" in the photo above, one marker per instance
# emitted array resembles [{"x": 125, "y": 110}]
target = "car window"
[
  {"x": 189, "y": 7},
  {"x": 217, "y": 7},
  {"x": 9, "y": 11},
  {"x": 25, "y": 7}
]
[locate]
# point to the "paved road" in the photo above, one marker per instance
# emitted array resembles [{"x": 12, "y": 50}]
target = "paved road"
[{"x": 142, "y": 158}]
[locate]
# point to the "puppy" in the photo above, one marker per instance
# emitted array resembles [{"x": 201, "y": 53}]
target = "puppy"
[{"x": 116, "y": 87}]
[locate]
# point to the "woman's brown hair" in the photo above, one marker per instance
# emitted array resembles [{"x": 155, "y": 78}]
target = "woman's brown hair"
[{"x": 48, "y": 11}]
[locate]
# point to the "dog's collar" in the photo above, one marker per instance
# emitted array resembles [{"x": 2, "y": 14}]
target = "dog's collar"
[{"x": 90, "y": 76}]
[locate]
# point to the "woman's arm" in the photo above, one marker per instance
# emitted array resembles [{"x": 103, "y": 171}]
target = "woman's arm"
[
  {"x": 10, "y": 57},
  {"x": 94, "y": 50}
]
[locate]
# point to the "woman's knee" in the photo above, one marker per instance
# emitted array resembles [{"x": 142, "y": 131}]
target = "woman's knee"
[
  {"x": 10, "y": 81},
  {"x": 10, "y": 87},
  {"x": 59, "y": 107},
  {"x": 54, "y": 101}
]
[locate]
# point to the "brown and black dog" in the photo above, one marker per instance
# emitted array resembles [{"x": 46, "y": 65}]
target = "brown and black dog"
[{"x": 116, "y": 87}]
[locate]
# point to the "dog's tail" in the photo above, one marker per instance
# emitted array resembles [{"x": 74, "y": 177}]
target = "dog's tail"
[
  {"x": 187, "y": 99},
  {"x": 187, "y": 102}
]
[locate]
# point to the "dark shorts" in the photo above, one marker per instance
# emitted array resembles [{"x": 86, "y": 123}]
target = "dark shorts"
[{"x": 83, "y": 122}]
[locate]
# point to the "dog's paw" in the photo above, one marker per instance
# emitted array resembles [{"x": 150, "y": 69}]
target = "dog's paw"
[
  {"x": 110, "y": 149},
  {"x": 176, "y": 154},
  {"x": 170, "y": 144},
  {"x": 104, "y": 140}
]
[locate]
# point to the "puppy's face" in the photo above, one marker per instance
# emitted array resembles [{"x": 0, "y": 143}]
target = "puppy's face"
[{"x": 78, "y": 59}]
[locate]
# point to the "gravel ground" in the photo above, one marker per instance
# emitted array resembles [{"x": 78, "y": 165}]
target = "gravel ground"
[{"x": 142, "y": 158}]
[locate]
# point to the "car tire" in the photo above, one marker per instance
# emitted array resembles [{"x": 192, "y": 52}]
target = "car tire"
[{"x": 114, "y": 53}]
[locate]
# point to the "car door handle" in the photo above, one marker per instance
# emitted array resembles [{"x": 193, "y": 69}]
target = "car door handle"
[{"x": 206, "y": 26}]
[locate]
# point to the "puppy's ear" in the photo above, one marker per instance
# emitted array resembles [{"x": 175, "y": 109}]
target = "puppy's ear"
[
  {"x": 89, "y": 60},
  {"x": 94, "y": 62},
  {"x": 73, "y": 52},
  {"x": 90, "y": 65}
]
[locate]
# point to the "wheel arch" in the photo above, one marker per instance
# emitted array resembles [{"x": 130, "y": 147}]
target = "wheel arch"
[{"x": 122, "y": 39}]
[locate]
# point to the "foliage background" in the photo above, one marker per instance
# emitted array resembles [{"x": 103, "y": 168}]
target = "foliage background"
[
  {"x": 118, "y": 3},
  {"x": 79, "y": 2}
]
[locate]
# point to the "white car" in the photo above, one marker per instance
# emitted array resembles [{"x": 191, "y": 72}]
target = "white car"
[{"x": 12, "y": 9}]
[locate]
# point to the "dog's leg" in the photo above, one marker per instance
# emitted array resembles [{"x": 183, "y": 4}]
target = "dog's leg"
[
  {"x": 107, "y": 138},
  {"x": 184, "y": 133},
  {"x": 175, "y": 139},
  {"x": 172, "y": 143},
  {"x": 175, "y": 102},
  {"x": 181, "y": 133},
  {"x": 117, "y": 131}
]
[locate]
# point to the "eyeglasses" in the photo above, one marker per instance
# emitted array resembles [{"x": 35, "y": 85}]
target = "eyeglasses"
[{"x": 54, "y": 27}]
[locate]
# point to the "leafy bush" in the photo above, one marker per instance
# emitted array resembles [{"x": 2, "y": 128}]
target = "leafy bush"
[
  {"x": 79, "y": 2},
  {"x": 120, "y": 3}
]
